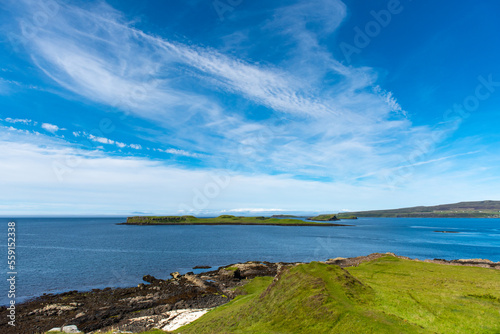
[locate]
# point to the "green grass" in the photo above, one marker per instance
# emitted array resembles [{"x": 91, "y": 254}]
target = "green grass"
[
  {"x": 388, "y": 295},
  {"x": 224, "y": 219},
  {"x": 443, "y": 299},
  {"x": 311, "y": 298}
]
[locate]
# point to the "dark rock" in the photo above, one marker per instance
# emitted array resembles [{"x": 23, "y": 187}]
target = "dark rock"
[{"x": 149, "y": 279}]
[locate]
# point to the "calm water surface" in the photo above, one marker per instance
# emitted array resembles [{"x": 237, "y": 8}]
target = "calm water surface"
[{"x": 62, "y": 254}]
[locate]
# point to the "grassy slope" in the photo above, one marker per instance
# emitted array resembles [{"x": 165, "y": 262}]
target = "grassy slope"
[
  {"x": 225, "y": 219},
  {"x": 312, "y": 298},
  {"x": 444, "y": 299},
  {"x": 388, "y": 295}
]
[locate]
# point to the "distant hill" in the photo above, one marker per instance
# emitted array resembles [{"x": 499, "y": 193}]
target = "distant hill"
[{"x": 481, "y": 209}]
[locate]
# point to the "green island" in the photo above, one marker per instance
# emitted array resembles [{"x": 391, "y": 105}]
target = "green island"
[
  {"x": 332, "y": 217},
  {"x": 221, "y": 220},
  {"x": 479, "y": 209},
  {"x": 388, "y": 294}
]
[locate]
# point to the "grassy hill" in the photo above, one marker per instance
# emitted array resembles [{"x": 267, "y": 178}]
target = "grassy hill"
[
  {"x": 482, "y": 209},
  {"x": 387, "y": 295}
]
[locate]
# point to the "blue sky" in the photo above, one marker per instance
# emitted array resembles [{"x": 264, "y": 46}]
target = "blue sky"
[{"x": 169, "y": 107}]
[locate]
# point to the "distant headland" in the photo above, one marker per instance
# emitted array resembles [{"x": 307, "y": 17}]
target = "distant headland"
[{"x": 480, "y": 209}]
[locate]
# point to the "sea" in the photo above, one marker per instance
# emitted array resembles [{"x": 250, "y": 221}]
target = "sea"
[{"x": 55, "y": 255}]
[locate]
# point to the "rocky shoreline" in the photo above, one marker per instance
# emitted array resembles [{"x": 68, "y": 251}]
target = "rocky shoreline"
[
  {"x": 165, "y": 304},
  {"x": 134, "y": 309}
]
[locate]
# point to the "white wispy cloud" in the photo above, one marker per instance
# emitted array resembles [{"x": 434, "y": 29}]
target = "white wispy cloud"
[
  {"x": 8, "y": 87},
  {"x": 46, "y": 175},
  {"x": 339, "y": 130},
  {"x": 391, "y": 101},
  {"x": 50, "y": 127},
  {"x": 19, "y": 120},
  {"x": 180, "y": 152},
  {"x": 104, "y": 140},
  {"x": 107, "y": 141},
  {"x": 101, "y": 140}
]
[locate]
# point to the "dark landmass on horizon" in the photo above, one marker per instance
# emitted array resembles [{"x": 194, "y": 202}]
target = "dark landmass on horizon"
[{"x": 479, "y": 209}]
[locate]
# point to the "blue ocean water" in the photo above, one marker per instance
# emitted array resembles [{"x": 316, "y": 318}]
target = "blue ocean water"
[{"x": 62, "y": 254}]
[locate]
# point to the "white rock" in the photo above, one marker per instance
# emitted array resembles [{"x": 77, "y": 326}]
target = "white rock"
[
  {"x": 179, "y": 318},
  {"x": 55, "y": 329},
  {"x": 70, "y": 329}
]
